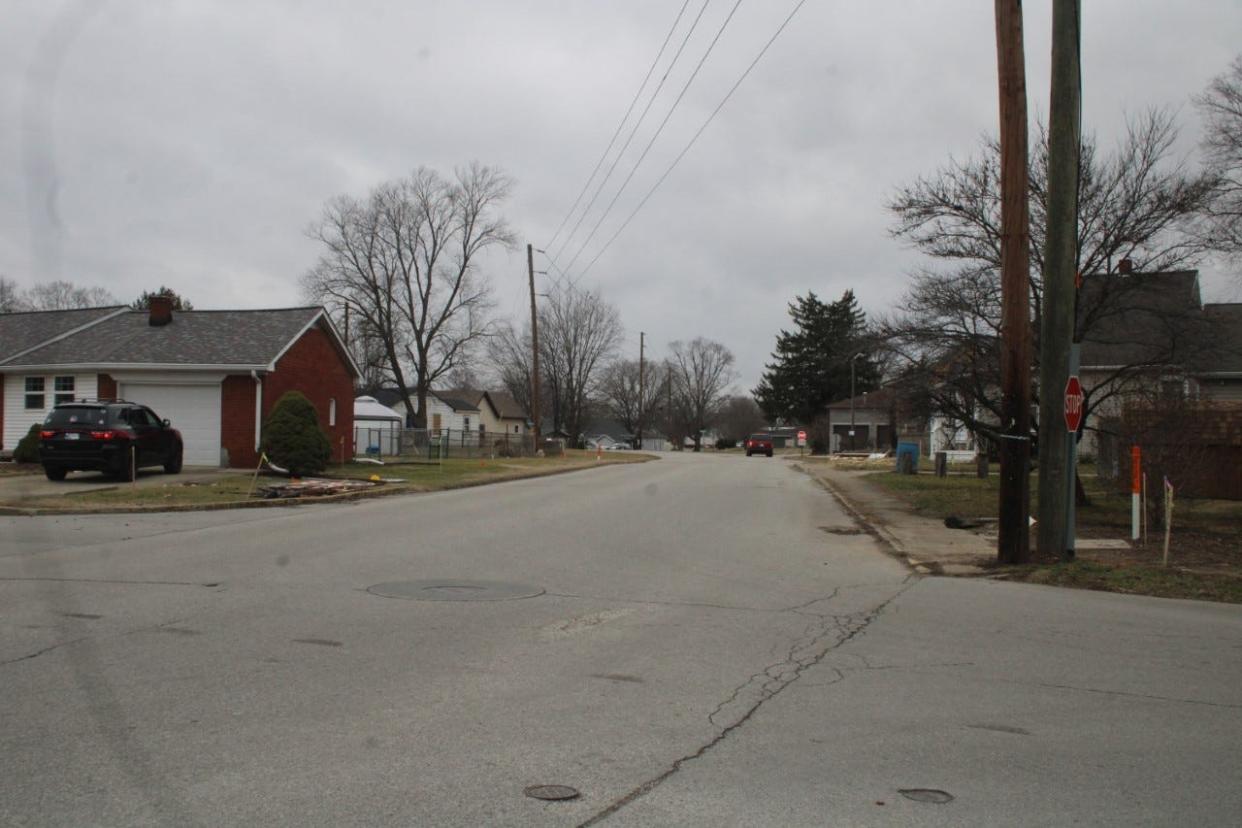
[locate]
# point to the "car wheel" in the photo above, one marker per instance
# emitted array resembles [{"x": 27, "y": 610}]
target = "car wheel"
[
  {"x": 173, "y": 464},
  {"x": 769, "y": 454},
  {"x": 748, "y": 454},
  {"x": 55, "y": 472}
]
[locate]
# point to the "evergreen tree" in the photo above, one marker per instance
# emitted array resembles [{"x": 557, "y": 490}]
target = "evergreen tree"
[
  {"x": 811, "y": 363},
  {"x": 292, "y": 437},
  {"x": 143, "y": 302}
]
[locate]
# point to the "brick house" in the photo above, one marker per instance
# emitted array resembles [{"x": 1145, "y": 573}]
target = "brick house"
[{"x": 214, "y": 374}]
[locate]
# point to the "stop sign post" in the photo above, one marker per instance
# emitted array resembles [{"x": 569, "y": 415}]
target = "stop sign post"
[
  {"x": 1074, "y": 399},
  {"x": 801, "y": 442}
]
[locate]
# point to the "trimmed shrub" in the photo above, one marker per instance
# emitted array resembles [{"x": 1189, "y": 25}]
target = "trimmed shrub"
[
  {"x": 27, "y": 450},
  {"x": 292, "y": 437}
]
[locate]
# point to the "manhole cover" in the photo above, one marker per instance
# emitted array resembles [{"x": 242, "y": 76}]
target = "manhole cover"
[
  {"x": 454, "y": 590},
  {"x": 926, "y": 795},
  {"x": 552, "y": 793}
]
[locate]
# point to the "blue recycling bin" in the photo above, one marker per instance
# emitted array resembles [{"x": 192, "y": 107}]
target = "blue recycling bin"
[{"x": 911, "y": 449}]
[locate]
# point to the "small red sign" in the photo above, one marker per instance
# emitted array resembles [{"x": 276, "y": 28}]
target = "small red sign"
[
  {"x": 1073, "y": 403},
  {"x": 801, "y": 435}
]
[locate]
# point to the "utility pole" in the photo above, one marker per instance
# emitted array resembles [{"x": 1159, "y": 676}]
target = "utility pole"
[
  {"x": 1056, "y": 472},
  {"x": 853, "y": 359},
  {"x": 536, "y": 410},
  {"x": 1014, "y": 545},
  {"x": 642, "y": 341}
]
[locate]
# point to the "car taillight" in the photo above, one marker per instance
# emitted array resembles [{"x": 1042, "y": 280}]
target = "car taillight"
[
  {"x": 47, "y": 433},
  {"x": 109, "y": 435}
]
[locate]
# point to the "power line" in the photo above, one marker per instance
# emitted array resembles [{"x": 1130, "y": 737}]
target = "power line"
[
  {"x": 634, "y": 131},
  {"x": 624, "y": 118},
  {"x": 695, "y": 138},
  {"x": 658, "y": 131}
]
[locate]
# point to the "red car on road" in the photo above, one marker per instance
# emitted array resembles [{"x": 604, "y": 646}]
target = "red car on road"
[{"x": 759, "y": 444}]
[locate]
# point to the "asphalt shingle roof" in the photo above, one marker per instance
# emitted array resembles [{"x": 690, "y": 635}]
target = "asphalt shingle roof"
[
  {"x": 1141, "y": 319},
  {"x": 25, "y": 330},
  {"x": 228, "y": 337}
]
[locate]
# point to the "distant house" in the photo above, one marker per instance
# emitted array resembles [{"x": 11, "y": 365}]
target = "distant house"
[
  {"x": 464, "y": 409},
  {"x": 1150, "y": 336},
  {"x": 214, "y": 374},
  {"x": 872, "y": 422}
]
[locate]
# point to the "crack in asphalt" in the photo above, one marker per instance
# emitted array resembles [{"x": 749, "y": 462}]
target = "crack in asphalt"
[
  {"x": 1124, "y": 694},
  {"x": 113, "y": 581},
  {"x": 797, "y": 608},
  {"x": 38, "y": 653},
  {"x": 776, "y": 677}
]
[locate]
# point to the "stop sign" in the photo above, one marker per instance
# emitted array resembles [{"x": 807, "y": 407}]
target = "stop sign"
[
  {"x": 1073, "y": 403},
  {"x": 801, "y": 435}
]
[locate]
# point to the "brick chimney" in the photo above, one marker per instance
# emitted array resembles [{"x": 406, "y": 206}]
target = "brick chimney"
[
  {"x": 161, "y": 310},
  {"x": 1125, "y": 267}
]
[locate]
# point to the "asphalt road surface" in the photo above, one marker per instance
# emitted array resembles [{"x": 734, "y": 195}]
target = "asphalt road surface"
[{"x": 713, "y": 642}]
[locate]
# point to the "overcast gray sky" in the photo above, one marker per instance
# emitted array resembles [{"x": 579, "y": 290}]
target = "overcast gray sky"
[{"x": 189, "y": 143}]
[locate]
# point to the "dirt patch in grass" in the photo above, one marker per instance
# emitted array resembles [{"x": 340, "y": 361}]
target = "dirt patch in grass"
[
  {"x": 7, "y": 469},
  {"x": 1131, "y": 580}
]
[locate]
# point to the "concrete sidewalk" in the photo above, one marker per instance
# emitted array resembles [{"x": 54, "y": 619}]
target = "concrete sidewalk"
[{"x": 925, "y": 543}]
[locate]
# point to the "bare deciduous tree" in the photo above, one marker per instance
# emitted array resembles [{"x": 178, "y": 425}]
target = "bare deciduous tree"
[
  {"x": 620, "y": 393},
  {"x": 1136, "y": 204},
  {"x": 701, "y": 371},
  {"x": 404, "y": 261},
  {"x": 739, "y": 417},
  {"x": 10, "y": 296},
  {"x": 578, "y": 333},
  {"x": 1221, "y": 107},
  {"x": 57, "y": 295}
]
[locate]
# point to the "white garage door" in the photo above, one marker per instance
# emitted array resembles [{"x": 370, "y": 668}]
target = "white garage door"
[{"x": 194, "y": 410}]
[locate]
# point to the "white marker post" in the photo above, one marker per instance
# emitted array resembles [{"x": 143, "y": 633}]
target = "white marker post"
[
  {"x": 1136, "y": 484},
  {"x": 1168, "y": 517}
]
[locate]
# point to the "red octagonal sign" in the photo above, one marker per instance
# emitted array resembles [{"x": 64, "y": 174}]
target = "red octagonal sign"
[{"x": 1073, "y": 403}]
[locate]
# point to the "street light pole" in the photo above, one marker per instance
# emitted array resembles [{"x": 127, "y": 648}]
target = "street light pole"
[{"x": 852, "y": 360}]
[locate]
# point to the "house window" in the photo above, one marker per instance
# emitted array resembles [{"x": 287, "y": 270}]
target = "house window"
[
  {"x": 435, "y": 422},
  {"x": 34, "y": 394},
  {"x": 63, "y": 386},
  {"x": 515, "y": 429},
  {"x": 332, "y": 412},
  {"x": 466, "y": 420}
]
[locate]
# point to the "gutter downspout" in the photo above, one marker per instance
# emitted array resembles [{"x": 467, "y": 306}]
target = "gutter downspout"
[{"x": 258, "y": 408}]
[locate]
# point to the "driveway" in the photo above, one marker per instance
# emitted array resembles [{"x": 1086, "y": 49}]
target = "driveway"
[{"x": 17, "y": 487}]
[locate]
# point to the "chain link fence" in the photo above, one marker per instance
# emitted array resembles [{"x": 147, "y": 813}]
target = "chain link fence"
[{"x": 413, "y": 444}]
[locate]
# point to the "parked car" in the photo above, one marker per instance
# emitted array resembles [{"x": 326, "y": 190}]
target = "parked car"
[
  {"x": 759, "y": 444},
  {"x": 112, "y": 436}
]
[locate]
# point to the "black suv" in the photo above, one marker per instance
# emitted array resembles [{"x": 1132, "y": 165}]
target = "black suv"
[{"x": 107, "y": 435}]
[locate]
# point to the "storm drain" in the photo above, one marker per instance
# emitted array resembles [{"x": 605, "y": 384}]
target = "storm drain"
[
  {"x": 454, "y": 590},
  {"x": 926, "y": 795},
  {"x": 552, "y": 793}
]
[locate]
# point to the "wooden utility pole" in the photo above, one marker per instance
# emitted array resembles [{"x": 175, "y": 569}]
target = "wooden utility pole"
[
  {"x": 536, "y": 410},
  {"x": 642, "y": 341},
  {"x": 1014, "y": 543},
  {"x": 1055, "y": 529}
]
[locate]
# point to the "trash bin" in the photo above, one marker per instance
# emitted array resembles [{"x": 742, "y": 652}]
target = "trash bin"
[{"x": 908, "y": 458}]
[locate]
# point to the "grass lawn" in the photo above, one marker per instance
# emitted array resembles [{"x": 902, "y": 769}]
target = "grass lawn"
[
  {"x": 231, "y": 489},
  {"x": 1205, "y": 550},
  {"x": 7, "y": 469}
]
